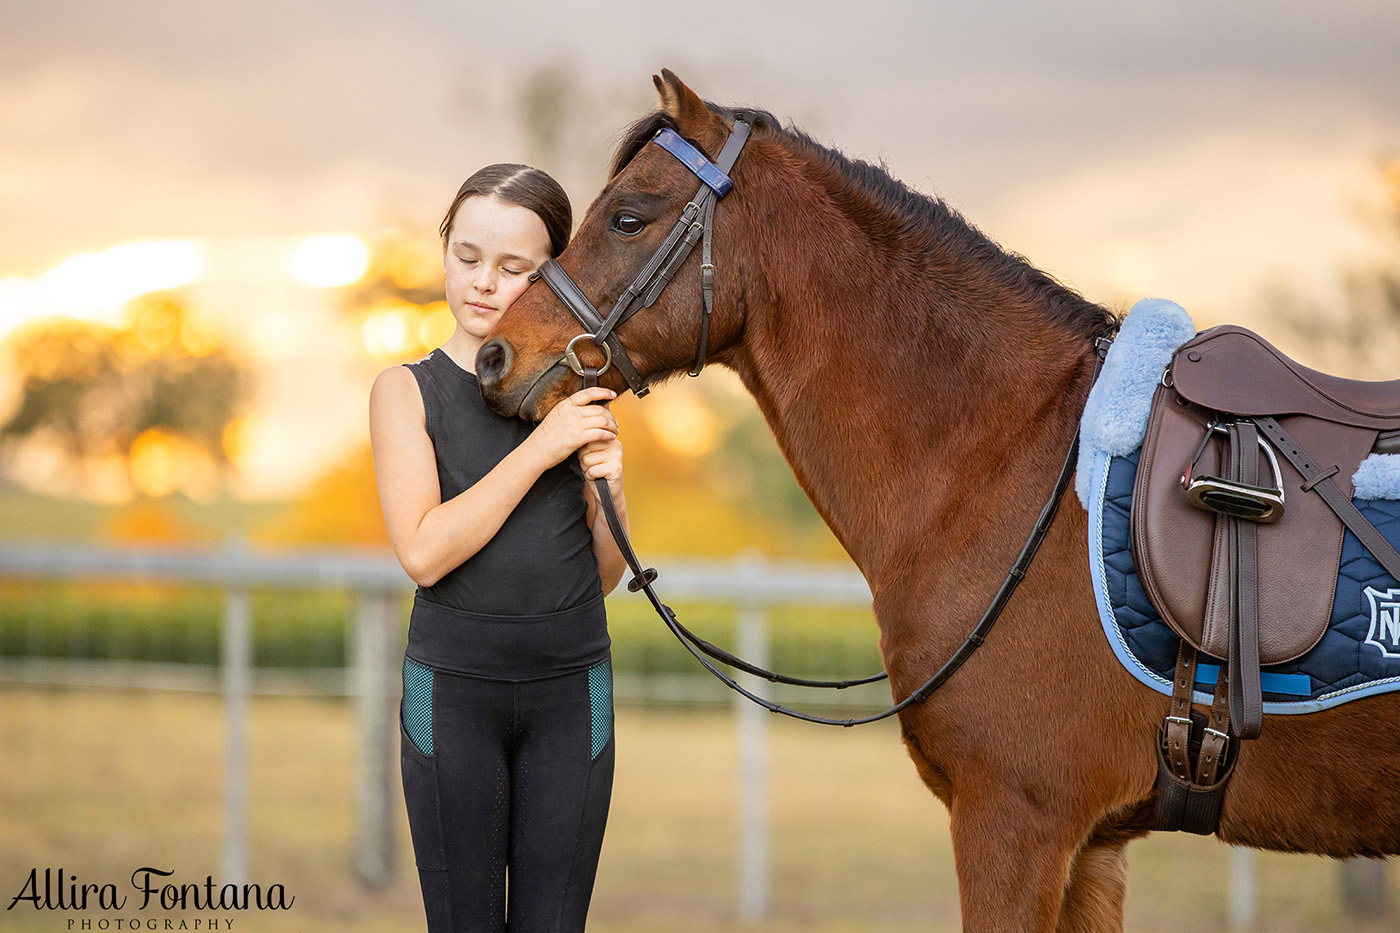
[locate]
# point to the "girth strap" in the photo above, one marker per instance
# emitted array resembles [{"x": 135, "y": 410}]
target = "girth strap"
[
  {"x": 1178, "y": 721},
  {"x": 1189, "y": 798},
  {"x": 1215, "y": 739}
]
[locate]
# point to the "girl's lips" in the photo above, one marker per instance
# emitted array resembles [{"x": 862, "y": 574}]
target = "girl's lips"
[{"x": 481, "y": 309}]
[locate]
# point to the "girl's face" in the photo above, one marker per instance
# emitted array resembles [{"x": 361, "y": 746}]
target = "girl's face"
[{"x": 492, "y": 247}]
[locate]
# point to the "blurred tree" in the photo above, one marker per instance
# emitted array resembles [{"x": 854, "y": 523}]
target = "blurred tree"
[
  {"x": 1359, "y": 338},
  {"x": 340, "y": 507},
  {"x": 735, "y": 495},
  {"x": 397, "y": 305},
  {"x": 143, "y": 406},
  {"x": 402, "y": 268},
  {"x": 153, "y": 521},
  {"x": 546, "y": 99}
]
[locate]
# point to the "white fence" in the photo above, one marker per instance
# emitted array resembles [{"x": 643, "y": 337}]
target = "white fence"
[{"x": 371, "y": 679}]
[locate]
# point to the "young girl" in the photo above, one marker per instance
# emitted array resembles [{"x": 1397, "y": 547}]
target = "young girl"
[{"x": 507, "y": 748}]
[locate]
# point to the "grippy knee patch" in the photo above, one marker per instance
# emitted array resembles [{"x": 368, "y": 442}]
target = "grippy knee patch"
[
  {"x": 418, "y": 705},
  {"x": 600, "y": 700}
]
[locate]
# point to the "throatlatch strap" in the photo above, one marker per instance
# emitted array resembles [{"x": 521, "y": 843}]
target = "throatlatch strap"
[{"x": 707, "y": 289}]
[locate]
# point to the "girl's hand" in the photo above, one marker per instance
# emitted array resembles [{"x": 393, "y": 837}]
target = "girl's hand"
[
  {"x": 603, "y": 460},
  {"x": 575, "y": 422}
]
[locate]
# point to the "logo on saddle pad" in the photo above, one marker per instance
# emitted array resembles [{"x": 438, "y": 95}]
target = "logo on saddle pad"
[{"x": 1385, "y": 621}]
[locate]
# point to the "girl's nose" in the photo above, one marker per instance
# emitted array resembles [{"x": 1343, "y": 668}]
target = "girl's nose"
[{"x": 485, "y": 280}]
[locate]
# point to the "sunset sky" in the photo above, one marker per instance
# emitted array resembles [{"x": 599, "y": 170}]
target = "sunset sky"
[{"x": 1196, "y": 151}]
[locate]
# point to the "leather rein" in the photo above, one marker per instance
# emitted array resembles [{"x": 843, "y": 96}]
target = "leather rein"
[{"x": 696, "y": 223}]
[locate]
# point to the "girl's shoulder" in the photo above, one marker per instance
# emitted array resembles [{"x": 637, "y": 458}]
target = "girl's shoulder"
[
  {"x": 396, "y": 391},
  {"x": 395, "y": 379}
]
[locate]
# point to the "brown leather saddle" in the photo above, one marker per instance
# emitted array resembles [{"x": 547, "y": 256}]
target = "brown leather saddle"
[{"x": 1242, "y": 499}]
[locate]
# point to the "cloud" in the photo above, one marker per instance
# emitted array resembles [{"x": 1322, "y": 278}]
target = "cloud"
[{"x": 156, "y": 118}]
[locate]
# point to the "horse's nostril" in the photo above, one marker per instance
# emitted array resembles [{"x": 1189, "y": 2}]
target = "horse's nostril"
[{"x": 492, "y": 361}]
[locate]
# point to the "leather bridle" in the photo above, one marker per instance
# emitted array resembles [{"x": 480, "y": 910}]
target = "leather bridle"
[{"x": 696, "y": 223}]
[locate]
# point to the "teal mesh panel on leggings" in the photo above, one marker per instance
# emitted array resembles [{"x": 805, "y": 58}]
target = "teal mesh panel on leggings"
[
  {"x": 600, "y": 697},
  {"x": 418, "y": 705}
]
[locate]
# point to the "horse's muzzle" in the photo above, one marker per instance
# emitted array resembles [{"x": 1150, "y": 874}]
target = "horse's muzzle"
[
  {"x": 492, "y": 363},
  {"x": 512, "y": 393}
]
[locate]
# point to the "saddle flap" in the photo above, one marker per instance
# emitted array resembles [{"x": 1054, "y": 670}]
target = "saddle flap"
[
  {"x": 1178, "y": 551},
  {"x": 1231, "y": 369}
]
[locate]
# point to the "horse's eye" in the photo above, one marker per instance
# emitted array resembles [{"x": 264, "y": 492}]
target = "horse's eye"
[{"x": 627, "y": 224}]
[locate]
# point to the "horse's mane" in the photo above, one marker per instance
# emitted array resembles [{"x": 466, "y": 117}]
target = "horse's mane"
[{"x": 915, "y": 217}]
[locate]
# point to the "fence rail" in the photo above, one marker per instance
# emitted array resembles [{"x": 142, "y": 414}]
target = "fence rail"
[
  {"x": 747, "y": 580},
  {"x": 370, "y": 678}
]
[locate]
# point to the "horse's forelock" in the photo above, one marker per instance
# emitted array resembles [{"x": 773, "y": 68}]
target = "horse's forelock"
[{"x": 635, "y": 137}]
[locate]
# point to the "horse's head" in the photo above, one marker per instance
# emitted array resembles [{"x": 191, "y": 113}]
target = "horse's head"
[{"x": 523, "y": 369}]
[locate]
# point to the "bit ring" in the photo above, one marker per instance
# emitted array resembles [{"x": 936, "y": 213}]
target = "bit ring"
[{"x": 573, "y": 362}]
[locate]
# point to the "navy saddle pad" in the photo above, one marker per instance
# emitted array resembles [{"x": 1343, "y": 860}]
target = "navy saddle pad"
[{"x": 1358, "y": 656}]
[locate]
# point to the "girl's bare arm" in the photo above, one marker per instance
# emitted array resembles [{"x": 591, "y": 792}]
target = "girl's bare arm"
[{"x": 431, "y": 537}]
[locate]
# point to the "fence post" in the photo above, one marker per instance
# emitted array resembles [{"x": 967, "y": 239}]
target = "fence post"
[
  {"x": 237, "y": 663},
  {"x": 754, "y": 863},
  {"x": 1363, "y": 887},
  {"x": 1243, "y": 888},
  {"x": 374, "y": 665}
]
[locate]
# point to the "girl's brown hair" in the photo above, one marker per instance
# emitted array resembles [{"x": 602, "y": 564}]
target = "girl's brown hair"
[{"x": 522, "y": 185}]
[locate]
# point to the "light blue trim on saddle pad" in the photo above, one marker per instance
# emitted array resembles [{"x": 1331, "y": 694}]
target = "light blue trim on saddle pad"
[
  {"x": 1298, "y": 685},
  {"x": 1354, "y": 659}
]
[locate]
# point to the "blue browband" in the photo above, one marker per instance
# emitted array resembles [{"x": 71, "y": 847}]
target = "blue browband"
[{"x": 694, "y": 160}]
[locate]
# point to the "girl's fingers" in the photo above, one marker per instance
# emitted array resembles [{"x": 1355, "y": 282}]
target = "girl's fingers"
[{"x": 589, "y": 396}]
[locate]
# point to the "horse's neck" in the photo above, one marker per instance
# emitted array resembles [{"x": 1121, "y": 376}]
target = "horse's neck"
[{"x": 910, "y": 405}]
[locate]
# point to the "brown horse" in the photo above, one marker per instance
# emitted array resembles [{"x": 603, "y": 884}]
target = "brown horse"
[{"x": 925, "y": 386}]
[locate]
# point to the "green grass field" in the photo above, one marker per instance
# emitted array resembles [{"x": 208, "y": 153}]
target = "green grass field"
[{"x": 101, "y": 783}]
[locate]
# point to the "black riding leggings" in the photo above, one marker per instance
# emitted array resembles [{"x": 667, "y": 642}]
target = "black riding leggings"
[{"x": 507, "y": 782}]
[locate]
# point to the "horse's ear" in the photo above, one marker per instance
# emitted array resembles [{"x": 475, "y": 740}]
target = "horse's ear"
[{"x": 681, "y": 104}]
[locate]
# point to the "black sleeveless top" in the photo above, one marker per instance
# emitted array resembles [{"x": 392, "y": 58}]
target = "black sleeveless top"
[{"x": 541, "y": 560}]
